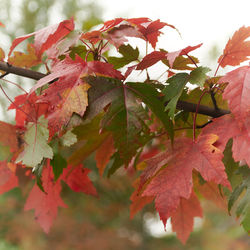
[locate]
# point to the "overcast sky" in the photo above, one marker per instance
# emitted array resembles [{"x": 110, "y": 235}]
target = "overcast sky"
[{"x": 209, "y": 22}]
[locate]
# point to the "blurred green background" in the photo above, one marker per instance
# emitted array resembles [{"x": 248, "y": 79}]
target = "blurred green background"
[{"x": 90, "y": 223}]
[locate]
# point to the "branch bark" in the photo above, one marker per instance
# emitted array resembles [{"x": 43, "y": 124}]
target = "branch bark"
[
  {"x": 181, "y": 105},
  {"x": 21, "y": 71}
]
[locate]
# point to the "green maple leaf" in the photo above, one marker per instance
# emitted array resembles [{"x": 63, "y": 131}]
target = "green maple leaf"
[
  {"x": 198, "y": 76},
  {"x": 174, "y": 90},
  {"x": 36, "y": 147},
  {"x": 243, "y": 206},
  {"x": 129, "y": 55},
  {"x": 68, "y": 139}
]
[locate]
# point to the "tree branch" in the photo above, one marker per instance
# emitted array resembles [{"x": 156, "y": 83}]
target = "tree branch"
[
  {"x": 182, "y": 105},
  {"x": 204, "y": 110},
  {"x": 21, "y": 71}
]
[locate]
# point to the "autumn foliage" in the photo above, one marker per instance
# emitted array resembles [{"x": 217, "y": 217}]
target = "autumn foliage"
[{"x": 173, "y": 140}]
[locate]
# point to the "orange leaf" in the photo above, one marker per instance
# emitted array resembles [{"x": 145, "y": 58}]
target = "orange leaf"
[
  {"x": 8, "y": 179},
  {"x": 103, "y": 154},
  {"x": 138, "y": 201},
  {"x": 2, "y": 55},
  {"x": 210, "y": 191},
  {"x": 8, "y": 136},
  {"x": 237, "y": 49},
  {"x": 28, "y": 60},
  {"x": 183, "y": 218}
]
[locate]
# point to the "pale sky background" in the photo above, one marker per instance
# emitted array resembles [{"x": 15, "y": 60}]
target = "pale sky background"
[{"x": 209, "y": 22}]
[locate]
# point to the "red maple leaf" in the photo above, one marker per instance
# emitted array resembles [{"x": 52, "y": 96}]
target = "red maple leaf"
[
  {"x": 8, "y": 179},
  {"x": 183, "y": 218},
  {"x": 151, "y": 59},
  {"x": 237, "y": 49},
  {"x": 8, "y": 136},
  {"x": 237, "y": 92},
  {"x": 175, "y": 180},
  {"x": 77, "y": 68},
  {"x": 138, "y": 201},
  {"x": 27, "y": 109},
  {"x": 103, "y": 154},
  {"x": 45, "y": 203},
  {"x": 117, "y": 36},
  {"x": 69, "y": 93},
  {"x": 77, "y": 179},
  {"x": 157, "y": 56},
  {"x": 227, "y": 127},
  {"x": 46, "y": 37},
  {"x": 111, "y": 23},
  {"x": 151, "y": 30}
]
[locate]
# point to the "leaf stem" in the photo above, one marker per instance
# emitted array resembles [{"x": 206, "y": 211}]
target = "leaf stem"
[
  {"x": 17, "y": 85},
  {"x": 212, "y": 94},
  {"x": 196, "y": 112},
  {"x": 14, "y": 103},
  {"x": 192, "y": 60}
]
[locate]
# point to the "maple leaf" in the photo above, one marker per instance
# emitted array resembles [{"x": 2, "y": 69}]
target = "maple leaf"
[
  {"x": 103, "y": 154},
  {"x": 198, "y": 76},
  {"x": 171, "y": 56},
  {"x": 124, "y": 113},
  {"x": 174, "y": 90},
  {"x": 8, "y": 136},
  {"x": 92, "y": 36},
  {"x": 237, "y": 49},
  {"x": 69, "y": 69},
  {"x": 77, "y": 179},
  {"x": 5, "y": 173},
  {"x": 125, "y": 119},
  {"x": 36, "y": 144},
  {"x": 68, "y": 95},
  {"x": 138, "y": 201},
  {"x": 27, "y": 109},
  {"x": 66, "y": 101},
  {"x": 89, "y": 138},
  {"x": 117, "y": 36},
  {"x": 211, "y": 191},
  {"x": 175, "y": 180},
  {"x": 183, "y": 218},
  {"x": 2, "y": 55},
  {"x": 227, "y": 127},
  {"x": 8, "y": 179},
  {"x": 129, "y": 55},
  {"x": 237, "y": 91},
  {"x": 28, "y": 60},
  {"x": 58, "y": 163},
  {"x": 157, "y": 56},
  {"x": 243, "y": 207},
  {"x": 68, "y": 139},
  {"x": 45, "y": 203},
  {"x": 46, "y": 37},
  {"x": 151, "y": 59},
  {"x": 150, "y": 30},
  {"x": 182, "y": 62},
  {"x": 111, "y": 23}
]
